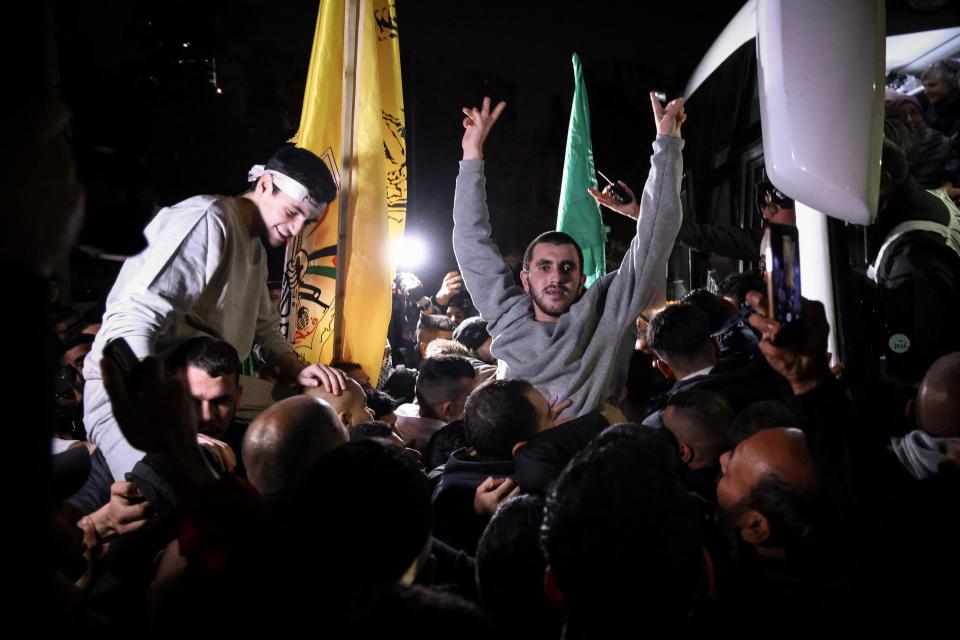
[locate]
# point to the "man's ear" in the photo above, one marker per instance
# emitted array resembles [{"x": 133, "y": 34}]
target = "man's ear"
[
  {"x": 754, "y": 527},
  {"x": 344, "y": 419},
  {"x": 517, "y": 447},
  {"x": 265, "y": 183},
  {"x": 525, "y": 281},
  {"x": 664, "y": 369},
  {"x": 239, "y": 393},
  {"x": 552, "y": 591},
  {"x": 686, "y": 453},
  {"x": 583, "y": 281},
  {"x": 444, "y": 410},
  {"x": 910, "y": 410}
]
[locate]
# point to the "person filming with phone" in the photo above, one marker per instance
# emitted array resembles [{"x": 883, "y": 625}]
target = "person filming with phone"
[{"x": 739, "y": 243}]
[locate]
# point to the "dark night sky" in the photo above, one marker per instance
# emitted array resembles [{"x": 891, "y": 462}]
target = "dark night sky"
[{"x": 133, "y": 86}]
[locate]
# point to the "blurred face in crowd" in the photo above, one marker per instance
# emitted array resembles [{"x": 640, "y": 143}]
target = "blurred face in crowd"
[
  {"x": 776, "y": 214},
  {"x": 359, "y": 375},
  {"x": 779, "y": 452},
  {"x": 350, "y": 406},
  {"x": 457, "y": 314},
  {"x": 554, "y": 281},
  {"x": 216, "y": 399},
  {"x": 936, "y": 90},
  {"x": 910, "y": 114}
]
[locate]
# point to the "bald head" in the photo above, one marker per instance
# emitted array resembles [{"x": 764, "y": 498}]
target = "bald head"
[
  {"x": 350, "y": 406},
  {"x": 938, "y": 398},
  {"x": 769, "y": 487},
  {"x": 288, "y": 437}
]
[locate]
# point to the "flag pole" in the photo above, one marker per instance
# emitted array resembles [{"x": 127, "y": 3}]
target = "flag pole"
[{"x": 348, "y": 109}]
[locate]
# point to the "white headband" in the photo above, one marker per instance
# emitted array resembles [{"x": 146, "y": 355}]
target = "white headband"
[{"x": 285, "y": 183}]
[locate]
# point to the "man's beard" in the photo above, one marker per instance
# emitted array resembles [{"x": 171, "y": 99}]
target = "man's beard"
[{"x": 550, "y": 306}]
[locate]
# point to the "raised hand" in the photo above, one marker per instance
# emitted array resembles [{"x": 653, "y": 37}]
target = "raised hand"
[
  {"x": 452, "y": 285},
  {"x": 804, "y": 366},
  {"x": 332, "y": 380},
  {"x": 160, "y": 417},
  {"x": 477, "y": 125},
  {"x": 668, "y": 119},
  {"x": 605, "y": 197}
]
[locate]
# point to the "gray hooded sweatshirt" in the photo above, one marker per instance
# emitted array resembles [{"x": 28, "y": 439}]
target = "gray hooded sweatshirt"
[{"x": 584, "y": 356}]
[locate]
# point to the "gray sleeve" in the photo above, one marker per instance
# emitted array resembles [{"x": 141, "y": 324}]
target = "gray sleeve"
[
  {"x": 272, "y": 343},
  {"x": 643, "y": 270},
  {"x": 156, "y": 290},
  {"x": 486, "y": 275}
]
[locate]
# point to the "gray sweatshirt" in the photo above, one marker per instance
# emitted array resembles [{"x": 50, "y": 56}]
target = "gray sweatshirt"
[{"x": 584, "y": 356}]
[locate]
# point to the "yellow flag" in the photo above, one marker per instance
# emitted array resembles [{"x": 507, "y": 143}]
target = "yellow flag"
[{"x": 352, "y": 118}]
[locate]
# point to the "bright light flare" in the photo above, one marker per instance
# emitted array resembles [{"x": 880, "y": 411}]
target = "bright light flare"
[{"x": 408, "y": 252}]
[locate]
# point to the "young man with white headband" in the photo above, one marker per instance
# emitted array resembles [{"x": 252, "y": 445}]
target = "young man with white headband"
[{"x": 204, "y": 272}]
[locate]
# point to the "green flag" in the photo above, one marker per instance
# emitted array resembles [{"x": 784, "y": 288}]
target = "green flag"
[{"x": 578, "y": 213}]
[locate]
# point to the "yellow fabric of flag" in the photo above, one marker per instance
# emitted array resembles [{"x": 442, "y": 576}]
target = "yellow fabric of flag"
[{"x": 376, "y": 188}]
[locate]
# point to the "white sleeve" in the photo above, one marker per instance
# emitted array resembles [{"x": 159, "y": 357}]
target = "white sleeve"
[{"x": 158, "y": 287}]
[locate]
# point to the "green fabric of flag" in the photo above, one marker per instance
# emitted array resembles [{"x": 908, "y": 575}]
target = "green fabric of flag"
[{"x": 578, "y": 213}]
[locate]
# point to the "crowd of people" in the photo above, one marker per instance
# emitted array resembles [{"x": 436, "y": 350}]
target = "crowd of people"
[{"x": 538, "y": 461}]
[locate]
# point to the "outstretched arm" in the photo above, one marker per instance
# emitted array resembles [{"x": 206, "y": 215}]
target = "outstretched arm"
[
  {"x": 658, "y": 216},
  {"x": 477, "y": 125},
  {"x": 484, "y": 272}
]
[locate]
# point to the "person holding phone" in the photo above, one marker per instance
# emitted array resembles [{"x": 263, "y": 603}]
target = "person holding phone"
[
  {"x": 739, "y": 243},
  {"x": 204, "y": 272}
]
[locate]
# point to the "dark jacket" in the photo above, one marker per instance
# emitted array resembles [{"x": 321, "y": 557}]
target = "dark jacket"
[
  {"x": 722, "y": 240},
  {"x": 919, "y": 280},
  {"x": 455, "y": 521}
]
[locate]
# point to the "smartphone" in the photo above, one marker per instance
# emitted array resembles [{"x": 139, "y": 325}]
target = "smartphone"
[
  {"x": 127, "y": 361},
  {"x": 781, "y": 250},
  {"x": 616, "y": 191}
]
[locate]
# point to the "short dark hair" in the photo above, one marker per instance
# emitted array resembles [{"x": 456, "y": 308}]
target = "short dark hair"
[
  {"x": 717, "y": 309},
  {"x": 369, "y": 430},
  {"x": 346, "y": 366},
  {"x": 893, "y": 160},
  {"x": 554, "y": 238},
  {"x": 441, "y": 380},
  {"x": 463, "y": 301},
  {"x": 708, "y": 417},
  {"x": 401, "y": 383},
  {"x": 510, "y": 567},
  {"x": 497, "y": 416},
  {"x": 766, "y": 414},
  {"x": 680, "y": 330},
  {"x": 472, "y": 333},
  {"x": 443, "y": 442},
  {"x": 437, "y": 322},
  {"x": 214, "y": 357},
  {"x": 307, "y": 169},
  {"x": 355, "y": 498},
  {"x": 380, "y": 402},
  {"x": 619, "y": 529},
  {"x": 736, "y": 285}
]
